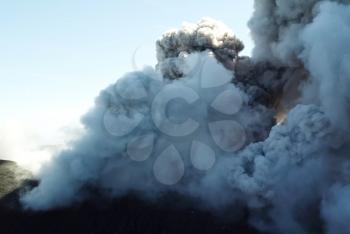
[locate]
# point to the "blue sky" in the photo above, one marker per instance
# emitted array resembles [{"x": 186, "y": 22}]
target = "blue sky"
[{"x": 57, "y": 55}]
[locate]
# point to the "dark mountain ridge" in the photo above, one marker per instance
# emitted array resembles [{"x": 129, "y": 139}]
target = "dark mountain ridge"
[{"x": 126, "y": 215}]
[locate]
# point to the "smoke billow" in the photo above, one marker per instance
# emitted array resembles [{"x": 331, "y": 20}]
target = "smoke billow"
[
  {"x": 205, "y": 123},
  {"x": 207, "y": 34}
]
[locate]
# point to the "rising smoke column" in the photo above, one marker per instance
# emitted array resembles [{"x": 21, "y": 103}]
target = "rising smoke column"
[
  {"x": 304, "y": 176},
  {"x": 207, "y": 34},
  {"x": 152, "y": 133},
  {"x": 294, "y": 177}
]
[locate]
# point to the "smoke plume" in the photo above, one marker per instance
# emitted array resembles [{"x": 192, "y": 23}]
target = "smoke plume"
[{"x": 268, "y": 132}]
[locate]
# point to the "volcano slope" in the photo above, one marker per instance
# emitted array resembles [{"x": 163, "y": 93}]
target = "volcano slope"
[{"x": 124, "y": 215}]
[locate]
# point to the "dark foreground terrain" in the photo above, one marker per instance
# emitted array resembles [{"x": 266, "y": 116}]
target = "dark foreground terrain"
[{"x": 126, "y": 215}]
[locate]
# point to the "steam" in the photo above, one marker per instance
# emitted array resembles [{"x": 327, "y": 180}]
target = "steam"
[
  {"x": 32, "y": 147},
  {"x": 202, "y": 123}
]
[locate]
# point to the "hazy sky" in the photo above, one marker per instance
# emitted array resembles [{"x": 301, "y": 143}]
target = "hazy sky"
[{"x": 55, "y": 56}]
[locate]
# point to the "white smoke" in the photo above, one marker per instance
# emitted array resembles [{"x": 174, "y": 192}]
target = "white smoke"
[
  {"x": 143, "y": 118},
  {"x": 327, "y": 57},
  {"x": 31, "y": 147},
  {"x": 200, "y": 124}
]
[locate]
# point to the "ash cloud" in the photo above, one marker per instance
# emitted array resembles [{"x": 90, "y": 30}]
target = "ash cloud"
[
  {"x": 207, "y": 34},
  {"x": 206, "y": 123}
]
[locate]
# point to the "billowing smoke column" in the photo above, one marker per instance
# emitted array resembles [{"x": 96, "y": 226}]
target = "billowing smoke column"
[
  {"x": 203, "y": 123},
  {"x": 207, "y": 34}
]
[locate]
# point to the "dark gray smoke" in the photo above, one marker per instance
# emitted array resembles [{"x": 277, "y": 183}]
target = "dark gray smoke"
[
  {"x": 210, "y": 125},
  {"x": 207, "y": 34}
]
